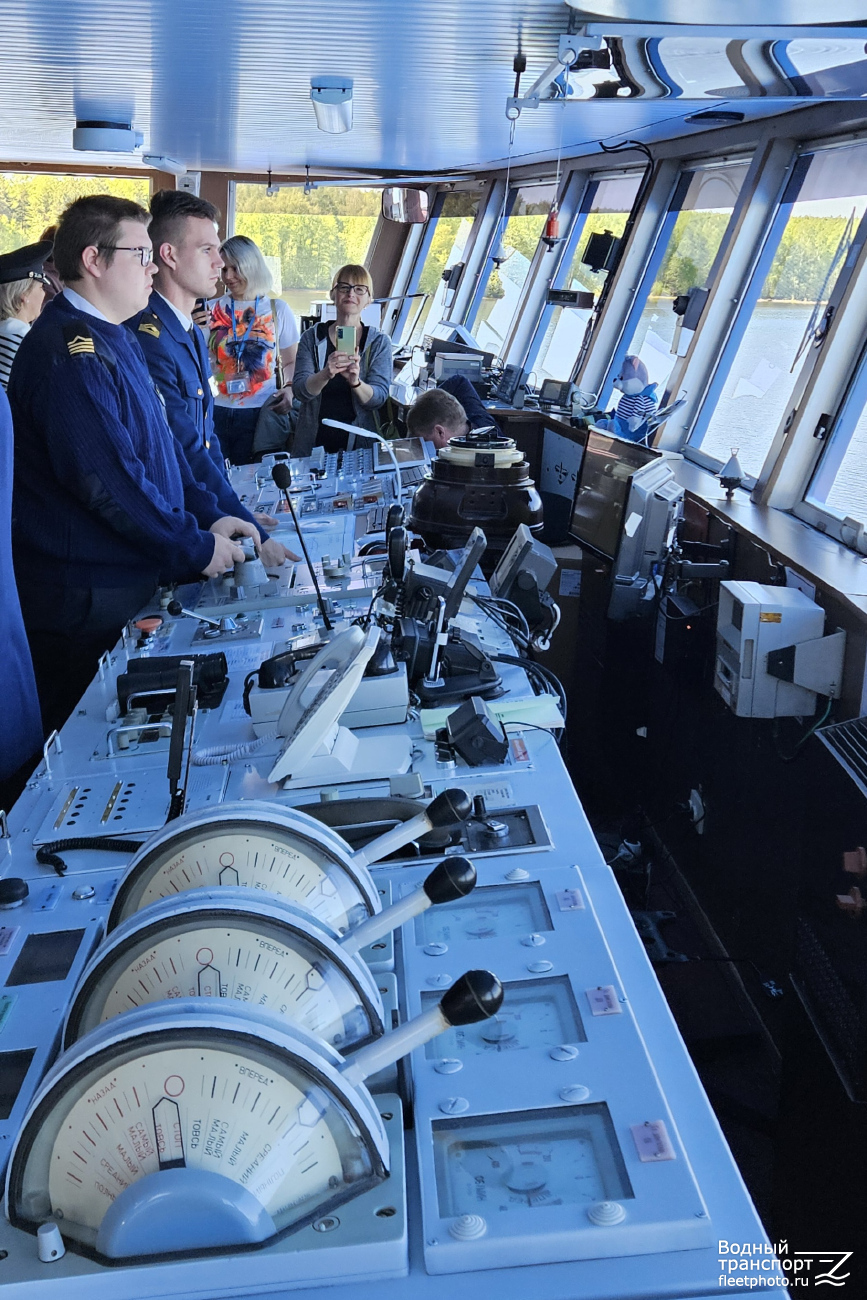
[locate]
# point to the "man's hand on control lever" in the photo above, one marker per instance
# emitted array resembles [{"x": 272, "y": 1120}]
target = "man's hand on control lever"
[{"x": 226, "y": 555}]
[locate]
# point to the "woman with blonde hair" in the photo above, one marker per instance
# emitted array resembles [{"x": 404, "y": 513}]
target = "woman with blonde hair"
[
  {"x": 22, "y": 293},
  {"x": 349, "y": 386},
  {"x": 246, "y": 329}
]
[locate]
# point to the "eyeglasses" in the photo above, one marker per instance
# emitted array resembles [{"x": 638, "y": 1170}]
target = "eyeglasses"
[
  {"x": 145, "y": 255},
  {"x": 347, "y": 289}
]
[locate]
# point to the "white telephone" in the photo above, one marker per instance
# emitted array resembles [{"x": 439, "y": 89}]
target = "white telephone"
[{"x": 318, "y": 750}]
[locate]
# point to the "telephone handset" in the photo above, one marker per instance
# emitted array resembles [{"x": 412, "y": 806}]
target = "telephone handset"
[{"x": 322, "y": 692}]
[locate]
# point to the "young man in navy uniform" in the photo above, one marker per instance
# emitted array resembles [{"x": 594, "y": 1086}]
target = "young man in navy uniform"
[
  {"x": 105, "y": 505},
  {"x": 186, "y": 248}
]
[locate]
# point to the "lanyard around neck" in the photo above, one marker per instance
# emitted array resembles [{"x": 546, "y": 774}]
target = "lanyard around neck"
[{"x": 242, "y": 343}]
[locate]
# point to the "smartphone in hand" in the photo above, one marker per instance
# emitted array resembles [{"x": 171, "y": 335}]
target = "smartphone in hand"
[{"x": 345, "y": 339}]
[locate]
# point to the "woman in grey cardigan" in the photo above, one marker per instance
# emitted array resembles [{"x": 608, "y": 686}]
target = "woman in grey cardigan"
[{"x": 344, "y": 386}]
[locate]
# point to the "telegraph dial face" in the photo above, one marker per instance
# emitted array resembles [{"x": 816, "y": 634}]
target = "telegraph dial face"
[
  {"x": 266, "y": 955},
  {"x": 201, "y": 1093},
  {"x": 273, "y": 849}
]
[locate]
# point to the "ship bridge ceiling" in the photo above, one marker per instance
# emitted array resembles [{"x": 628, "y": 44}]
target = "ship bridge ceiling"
[{"x": 226, "y": 87}]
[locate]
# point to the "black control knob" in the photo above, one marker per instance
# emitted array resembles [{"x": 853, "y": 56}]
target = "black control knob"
[
  {"x": 452, "y": 879},
  {"x": 13, "y": 892},
  {"x": 449, "y": 808},
  {"x": 175, "y": 608},
  {"x": 480, "y": 808},
  {"x": 478, "y": 995}
]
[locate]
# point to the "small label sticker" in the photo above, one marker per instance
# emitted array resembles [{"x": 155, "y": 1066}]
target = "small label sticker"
[
  {"x": 569, "y": 900},
  {"x": 6, "y": 1004},
  {"x": 570, "y": 582},
  {"x": 520, "y": 753},
  {"x": 7, "y": 934},
  {"x": 770, "y": 616},
  {"x": 603, "y": 1000},
  {"x": 49, "y": 898},
  {"x": 652, "y": 1142}
]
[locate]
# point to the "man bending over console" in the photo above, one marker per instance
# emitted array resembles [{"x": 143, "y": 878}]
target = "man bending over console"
[
  {"x": 438, "y": 415},
  {"x": 104, "y": 504},
  {"x": 187, "y": 256}
]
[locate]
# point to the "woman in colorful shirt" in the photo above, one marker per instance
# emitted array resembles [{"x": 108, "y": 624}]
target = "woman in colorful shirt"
[{"x": 243, "y": 340}]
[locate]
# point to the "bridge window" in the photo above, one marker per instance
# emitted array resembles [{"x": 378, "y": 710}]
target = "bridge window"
[
  {"x": 683, "y": 259},
  {"x": 32, "y": 201},
  {"x": 606, "y": 206},
  {"x": 839, "y": 484},
  {"x": 509, "y": 264},
  {"x": 306, "y": 237},
  {"x": 445, "y": 244},
  {"x": 781, "y": 319}
]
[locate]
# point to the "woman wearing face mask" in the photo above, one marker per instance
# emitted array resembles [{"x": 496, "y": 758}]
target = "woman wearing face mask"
[
  {"x": 336, "y": 385},
  {"x": 243, "y": 341}
]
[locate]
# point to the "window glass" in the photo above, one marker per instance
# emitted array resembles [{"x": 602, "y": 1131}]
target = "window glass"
[
  {"x": 692, "y": 248},
  {"x": 563, "y": 336},
  {"x": 506, "y": 281},
  {"x": 447, "y": 246},
  {"x": 779, "y": 335},
  {"x": 305, "y": 238},
  {"x": 840, "y": 481},
  {"x": 28, "y": 204}
]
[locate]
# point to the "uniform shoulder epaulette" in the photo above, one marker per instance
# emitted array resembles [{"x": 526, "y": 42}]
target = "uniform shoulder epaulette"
[
  {"x": 150, "y": 324},
  {"x": 78, "y": 338}
]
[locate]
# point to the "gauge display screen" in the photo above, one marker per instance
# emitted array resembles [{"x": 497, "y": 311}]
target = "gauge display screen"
[
  {"x": 256, "y": 856},
  {"x": 171, "y": 1099},
  {"x": 532, "y": 1159},
  {"x": 13, "y": 1069},
  {"x": 46, "y": 957},
  {"x": 534, "y": 1014},
  {"x": 492, "y": 912},
  {"x": 224, "y": 956}
]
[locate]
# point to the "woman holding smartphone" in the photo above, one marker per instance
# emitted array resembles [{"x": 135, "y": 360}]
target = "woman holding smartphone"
[{"x": 343, "y": 368}]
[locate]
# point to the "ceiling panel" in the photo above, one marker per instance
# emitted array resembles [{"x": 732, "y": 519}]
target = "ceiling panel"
[{"x": 223, "y": 86}]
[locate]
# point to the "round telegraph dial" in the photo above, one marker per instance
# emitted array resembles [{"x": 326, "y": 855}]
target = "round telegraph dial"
[
  {"x": 231, "y": 943},
  {"x": 177, "y": 1127},
  {"x": 257, "y": 845}
]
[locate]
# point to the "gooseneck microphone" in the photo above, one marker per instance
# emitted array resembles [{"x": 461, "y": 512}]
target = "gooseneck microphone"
[{"x": 282, "y": 476}]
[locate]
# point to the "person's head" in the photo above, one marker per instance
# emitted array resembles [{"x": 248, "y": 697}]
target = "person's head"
[
  {"x": 186, "y": 244},
  {"x": 22, "y": 299},
  {"x": 22, "y": 282},
  {"x": 437, "y": 417},
  {"x": 102, "y": 249},
  {"x": 351, "y": 291},
  {"x": 245, "y": 271},
  {"x": 633, "y": 377}
]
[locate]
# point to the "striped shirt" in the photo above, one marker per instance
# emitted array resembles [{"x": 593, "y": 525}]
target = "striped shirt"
[{"x": 12, "y": 331}]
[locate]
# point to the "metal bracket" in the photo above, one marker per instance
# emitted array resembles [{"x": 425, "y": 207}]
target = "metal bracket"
[
  {"x": 105, "y": 664},
  {"x": 53, "y": 739},
  {"x": 569, "y": 48}
]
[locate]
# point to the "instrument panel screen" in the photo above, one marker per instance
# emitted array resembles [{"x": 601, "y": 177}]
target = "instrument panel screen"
[{"x": 45, "y": 957}]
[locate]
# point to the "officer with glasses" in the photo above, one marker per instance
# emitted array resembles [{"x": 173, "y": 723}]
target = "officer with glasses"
[
  {"x": 104, "y": 505},
  {"x": 333, "y": 384}
]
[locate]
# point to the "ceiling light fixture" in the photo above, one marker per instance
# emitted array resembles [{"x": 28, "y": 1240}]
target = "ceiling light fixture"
[
  {"x": 106, "y": 137},
  {"x": 332, "y": 103}
]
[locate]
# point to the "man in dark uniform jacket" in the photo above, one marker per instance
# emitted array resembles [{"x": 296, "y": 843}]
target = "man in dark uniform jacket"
[
  {"x": 105, "y": 504},
  {"x": 22, "y": 726},
  {"x": 187, "y": 255}
]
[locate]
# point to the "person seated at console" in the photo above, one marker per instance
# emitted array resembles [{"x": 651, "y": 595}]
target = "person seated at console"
[
  {"x": 438, "y": 415},
  {"x": 343, "y": 383}
]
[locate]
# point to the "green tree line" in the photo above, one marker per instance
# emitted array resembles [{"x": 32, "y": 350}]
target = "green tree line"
[{"x": 30, "y": 203}]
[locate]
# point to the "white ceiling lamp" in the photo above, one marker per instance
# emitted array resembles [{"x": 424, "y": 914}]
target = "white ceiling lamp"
[
  {"x": 332, "y": 103},
  {"x": 724, "y": 13},
  {"x": 106, "y": 137}
]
